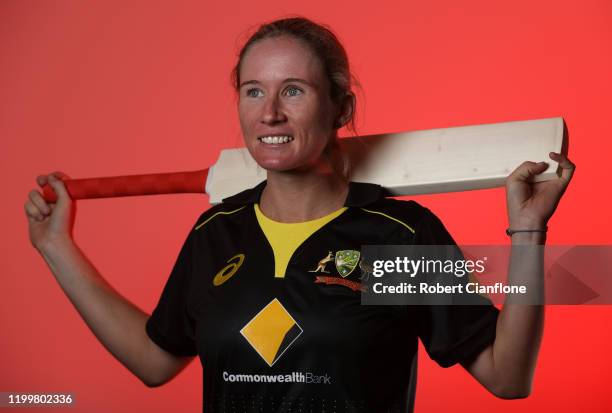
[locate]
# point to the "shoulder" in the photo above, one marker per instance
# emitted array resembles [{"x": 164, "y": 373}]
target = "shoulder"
[
  {"x": 404, "y": 212},
  {"x": 218, "y": 215},
  {"x": 419, "y": 220},
  {"x": 375, "y": 203}
]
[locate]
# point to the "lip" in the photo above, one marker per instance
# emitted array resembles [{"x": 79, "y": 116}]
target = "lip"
[
  {"x": 276, "y": 134},
  {"x": 275, "y": 145}
]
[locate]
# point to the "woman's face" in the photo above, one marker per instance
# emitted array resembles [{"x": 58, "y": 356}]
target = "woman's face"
[{"x": 285, "y": 110}]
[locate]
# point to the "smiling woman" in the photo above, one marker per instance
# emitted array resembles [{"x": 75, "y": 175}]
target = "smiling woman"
[
  {"x": 294, "y": 85},
  {"x": 266, "y": 289},
  {"x": 286, "y": 112}
]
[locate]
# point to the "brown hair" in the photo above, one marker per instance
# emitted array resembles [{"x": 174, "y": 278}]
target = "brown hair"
[{"x": 326, "y": 46}]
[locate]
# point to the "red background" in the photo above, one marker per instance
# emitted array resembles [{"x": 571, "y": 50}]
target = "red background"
[{"x": 99, "y": 88}]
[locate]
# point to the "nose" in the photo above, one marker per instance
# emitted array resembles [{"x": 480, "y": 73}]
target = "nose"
[{"x": 272, "y": 112}]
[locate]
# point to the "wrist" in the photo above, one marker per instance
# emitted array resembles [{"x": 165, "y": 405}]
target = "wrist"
[
  {"x": 54, "y": 244},
  {"x": 527, "y": 223},
  {"x": 533, "y": 238},
  {"x": 526, "y": 230}
]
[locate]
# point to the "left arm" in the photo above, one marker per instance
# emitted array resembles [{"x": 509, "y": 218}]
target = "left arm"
[{"x": 506, "y": 367}]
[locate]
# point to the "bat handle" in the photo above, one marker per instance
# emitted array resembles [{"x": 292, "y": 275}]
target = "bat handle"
[{"x": 131, "y": 185}]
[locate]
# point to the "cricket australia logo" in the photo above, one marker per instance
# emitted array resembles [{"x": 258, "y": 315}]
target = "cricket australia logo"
[{"x": 346, "y": 261}]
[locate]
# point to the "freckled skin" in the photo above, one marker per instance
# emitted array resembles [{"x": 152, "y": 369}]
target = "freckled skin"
[{"x": 274, "y": 106}]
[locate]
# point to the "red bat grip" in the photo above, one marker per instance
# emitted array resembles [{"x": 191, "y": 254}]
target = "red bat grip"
[{"x": 115, "y": 186}]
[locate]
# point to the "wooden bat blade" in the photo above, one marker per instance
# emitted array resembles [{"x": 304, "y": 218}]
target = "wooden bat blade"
[{"x": 431, "y": 161}]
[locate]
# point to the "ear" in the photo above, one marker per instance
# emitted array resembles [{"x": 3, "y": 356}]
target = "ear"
[{"x": 346, "y": 110}]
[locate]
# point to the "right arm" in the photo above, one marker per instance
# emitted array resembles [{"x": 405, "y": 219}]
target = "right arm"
[{"x": 117, "y": 323}]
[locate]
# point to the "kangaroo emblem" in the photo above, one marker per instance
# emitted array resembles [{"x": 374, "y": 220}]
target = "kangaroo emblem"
[{"x": 323, "y": 262}]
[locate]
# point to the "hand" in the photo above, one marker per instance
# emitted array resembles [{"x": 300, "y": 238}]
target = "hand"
[
  {"x": 50, "y": 222},
  {"x": 531, "y": 204}
]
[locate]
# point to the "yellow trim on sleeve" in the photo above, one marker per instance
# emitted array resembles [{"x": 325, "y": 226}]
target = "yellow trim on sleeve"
[
  {"x": 218, "y": 213},
  {"x": 391, "y": 218}
]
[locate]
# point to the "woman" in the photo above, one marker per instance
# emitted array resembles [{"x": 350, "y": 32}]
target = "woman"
[{"x": 254, "y": 291}]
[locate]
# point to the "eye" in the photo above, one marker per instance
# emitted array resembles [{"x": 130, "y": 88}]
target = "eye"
[
  {"x": 293, "y": 91},
  {"x": 253, "y": 93}
]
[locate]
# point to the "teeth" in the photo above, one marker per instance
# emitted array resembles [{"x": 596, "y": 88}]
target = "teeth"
[{"x": 276, "y": 139}]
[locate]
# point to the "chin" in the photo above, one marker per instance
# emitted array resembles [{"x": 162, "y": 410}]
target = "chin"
[
  {"x": 280, "y": 161},
  {"x": 276, "y": 166},
  {"x": 271, "y": 162}
]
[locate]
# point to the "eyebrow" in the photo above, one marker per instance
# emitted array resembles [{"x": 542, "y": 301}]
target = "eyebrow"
[{"x": 288, "y": 80}]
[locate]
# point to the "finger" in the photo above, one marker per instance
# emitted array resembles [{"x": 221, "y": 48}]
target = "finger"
[
  {"x": 527, "y": 170},
  {"x": 40, "y": 203},
  {"x": 59, "y": 188},
  {"x": 32, "y": 211},
  {"x": 60, "y": 175},
  {"x": 567, "y": 166},
  {"x": 41, "y": 180}
]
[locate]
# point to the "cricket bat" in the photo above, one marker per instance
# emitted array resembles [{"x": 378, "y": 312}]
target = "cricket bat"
[{"x": 407, "y": 163}]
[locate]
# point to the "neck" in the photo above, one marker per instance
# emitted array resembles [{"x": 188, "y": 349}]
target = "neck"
[{"x": 298, "y": 196}]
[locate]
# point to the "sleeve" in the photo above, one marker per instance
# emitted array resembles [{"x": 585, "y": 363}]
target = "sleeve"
[
  {"x": 170, "y": 326},
  {"x": 452, "y": 333}
]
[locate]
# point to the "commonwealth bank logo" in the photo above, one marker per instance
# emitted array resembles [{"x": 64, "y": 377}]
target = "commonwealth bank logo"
[{"x": 271, "y": 332}]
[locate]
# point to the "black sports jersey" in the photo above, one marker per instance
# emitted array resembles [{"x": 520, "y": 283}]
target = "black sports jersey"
[{"x": 303, "y": 342}]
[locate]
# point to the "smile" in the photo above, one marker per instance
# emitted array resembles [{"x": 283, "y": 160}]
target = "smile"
[{"x": 275, "y": 139}]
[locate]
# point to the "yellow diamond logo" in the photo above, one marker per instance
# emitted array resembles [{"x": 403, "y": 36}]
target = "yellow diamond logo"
[{"x": 271, "y": 332}]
